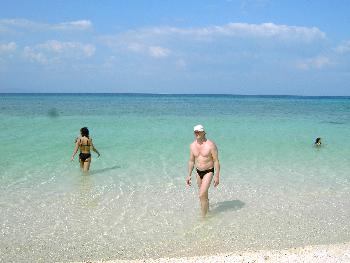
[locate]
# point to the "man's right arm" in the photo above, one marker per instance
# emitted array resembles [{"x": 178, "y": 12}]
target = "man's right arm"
[{"x": 190, "y": 168}]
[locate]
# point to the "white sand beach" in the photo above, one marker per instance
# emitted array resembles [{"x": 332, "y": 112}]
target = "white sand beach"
[{"x": 320, "y": 253}]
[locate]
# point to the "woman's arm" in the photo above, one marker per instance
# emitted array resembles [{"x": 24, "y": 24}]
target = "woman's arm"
[
  {"x": 94, "y": 149},
  {"x": 75, "y": 149}
]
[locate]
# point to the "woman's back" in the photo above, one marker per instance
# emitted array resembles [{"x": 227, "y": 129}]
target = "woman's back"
[{"x": 84, "y": 144}]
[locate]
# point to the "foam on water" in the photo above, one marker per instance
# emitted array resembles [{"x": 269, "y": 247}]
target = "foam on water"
[{"x": 276, "y": 189}]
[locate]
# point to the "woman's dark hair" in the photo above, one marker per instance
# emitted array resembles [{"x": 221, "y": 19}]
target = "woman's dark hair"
[
  {"x": 318, "y": 140},
  {"x": 84, "y": 132}
]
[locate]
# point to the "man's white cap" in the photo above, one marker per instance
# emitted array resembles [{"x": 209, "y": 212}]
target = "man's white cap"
[{"x": 198, "y": 128}]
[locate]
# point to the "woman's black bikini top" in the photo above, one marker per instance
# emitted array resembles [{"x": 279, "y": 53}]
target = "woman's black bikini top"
[{"x": 85, "y": 144}]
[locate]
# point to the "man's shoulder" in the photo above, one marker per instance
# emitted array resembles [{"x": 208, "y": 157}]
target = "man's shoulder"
[
  {"x": 211, "y": 144},
  {"x": 193, "y": 144}
]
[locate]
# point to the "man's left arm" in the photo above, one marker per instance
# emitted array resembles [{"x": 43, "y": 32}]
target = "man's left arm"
[{"x": 215, "y": 156}]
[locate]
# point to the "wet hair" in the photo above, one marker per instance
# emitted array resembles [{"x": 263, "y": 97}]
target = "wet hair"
[
  {"x": 84, "y": 132},
  {"x": 318, "y": 140}
]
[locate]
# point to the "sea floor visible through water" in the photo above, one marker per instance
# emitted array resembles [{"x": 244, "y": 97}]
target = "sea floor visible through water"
[{"x": 276, "y": 190}]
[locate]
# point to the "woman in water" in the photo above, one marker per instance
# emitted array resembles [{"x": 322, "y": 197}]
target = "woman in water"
[{"x": 84, "y": 143}]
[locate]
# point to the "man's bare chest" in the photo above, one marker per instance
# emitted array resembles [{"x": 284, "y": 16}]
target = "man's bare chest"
[{"x": 201, "y": 152}]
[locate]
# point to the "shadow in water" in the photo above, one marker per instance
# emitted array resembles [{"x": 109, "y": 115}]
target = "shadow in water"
[
  {"x": 224, "y": 206},
  {"x": 335, "y": 122},
  {"x": 104, "y": 169}
]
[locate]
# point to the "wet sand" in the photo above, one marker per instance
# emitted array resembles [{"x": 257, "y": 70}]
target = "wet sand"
[{"x": 321, "y": 253}]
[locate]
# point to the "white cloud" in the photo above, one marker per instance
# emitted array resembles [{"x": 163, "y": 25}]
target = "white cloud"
[
  {"x": 271, "y": 30},
  {"x": 318, "y": 62},
  {"x": 74, "y": 25},
  {"x": 135, "y": 47},
  {"x": 88, "y": 49},
  {"x": 264, "y": 30},
  {"x": 54, "y": 51},
  {"x": 153, "y": 51},
  {"x": 19, "y": 23},
  {"x": 35, "y": 56},
  {"x": 9, "y": 47},
  {"x": 7, "y": 25},
  {"x": 158, "y": 52},
  {"x": 68, "y": 47},
  {"x": 343, "y": 48},
  {"x": 158, "y": 41}
]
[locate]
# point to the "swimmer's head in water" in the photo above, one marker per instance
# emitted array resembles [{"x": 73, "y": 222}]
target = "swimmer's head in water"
[{"x": 318, "y": 141}]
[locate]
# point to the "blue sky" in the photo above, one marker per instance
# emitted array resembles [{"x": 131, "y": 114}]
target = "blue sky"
[{"x": 201, "y": 46}]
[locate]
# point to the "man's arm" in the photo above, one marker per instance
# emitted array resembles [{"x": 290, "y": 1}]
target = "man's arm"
[
  {"x": 215, "y": 156},
  {"x": 190, "y": 168}
]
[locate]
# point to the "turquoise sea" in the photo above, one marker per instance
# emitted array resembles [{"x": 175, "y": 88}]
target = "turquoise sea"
[{"x": 276, "y": 191}]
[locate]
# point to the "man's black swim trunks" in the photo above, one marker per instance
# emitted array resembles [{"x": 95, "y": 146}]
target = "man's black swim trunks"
[{"x": 202, "y": 173}]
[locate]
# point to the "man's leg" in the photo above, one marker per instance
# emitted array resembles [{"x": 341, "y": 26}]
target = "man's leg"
[{"x": 203, "y": 193}]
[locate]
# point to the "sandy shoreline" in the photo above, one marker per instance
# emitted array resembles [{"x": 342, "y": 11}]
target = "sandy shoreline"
[{"x": 320, "y": 253}]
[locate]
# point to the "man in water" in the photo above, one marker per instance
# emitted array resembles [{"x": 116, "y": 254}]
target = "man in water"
[{"x": 203, "y": 155}]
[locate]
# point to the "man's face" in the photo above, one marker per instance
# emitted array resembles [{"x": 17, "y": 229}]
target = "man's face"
[{"x": 198, "y": 134}]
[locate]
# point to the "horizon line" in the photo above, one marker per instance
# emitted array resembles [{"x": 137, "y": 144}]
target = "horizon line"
[{"x": 167, "y": 94}]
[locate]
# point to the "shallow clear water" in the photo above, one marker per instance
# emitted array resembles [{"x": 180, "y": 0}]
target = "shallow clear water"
[{"x": 276, "y": 189}]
